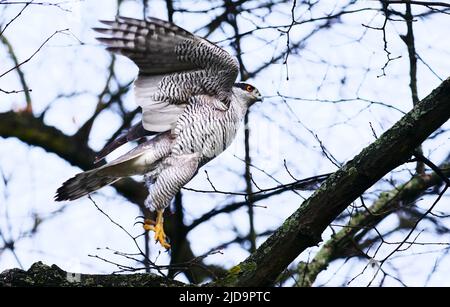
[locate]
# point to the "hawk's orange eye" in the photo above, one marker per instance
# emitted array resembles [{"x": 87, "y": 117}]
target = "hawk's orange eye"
[{"x": 249, "y": 88}]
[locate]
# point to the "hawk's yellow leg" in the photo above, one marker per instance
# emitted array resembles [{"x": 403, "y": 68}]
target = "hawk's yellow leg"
[{"x": 158, "y": 228}]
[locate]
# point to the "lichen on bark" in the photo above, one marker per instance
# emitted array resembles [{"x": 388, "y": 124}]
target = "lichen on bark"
[{"x": 39, "y": 275}]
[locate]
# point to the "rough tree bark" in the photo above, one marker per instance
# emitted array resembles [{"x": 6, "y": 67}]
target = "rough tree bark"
[
  {"x": 343, "y": 242},
  {"x": 303, "y": 229},
  {"x": 40, "y": 274}
]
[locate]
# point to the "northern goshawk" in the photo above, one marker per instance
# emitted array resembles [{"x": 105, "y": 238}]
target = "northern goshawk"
[{"x": 190, "y": 102}]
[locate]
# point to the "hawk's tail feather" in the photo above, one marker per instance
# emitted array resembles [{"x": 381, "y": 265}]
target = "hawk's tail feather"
[
  {"x": 83, "y": 184},
  {"x": 135, "y": 132}
]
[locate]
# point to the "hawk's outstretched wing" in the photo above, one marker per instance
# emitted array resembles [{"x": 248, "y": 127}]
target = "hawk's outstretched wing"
[{"x": 174, "y": 65}]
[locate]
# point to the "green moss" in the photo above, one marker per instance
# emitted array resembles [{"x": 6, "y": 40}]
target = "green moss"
[
  {"x": 235, "y": 272},
  {"x": 249, "y": 266},
  {"x": 352, "y": 171},
  {"x": 288, "y": 225}
]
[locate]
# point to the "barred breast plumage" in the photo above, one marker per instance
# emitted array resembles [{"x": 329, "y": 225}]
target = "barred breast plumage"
[
  {"x": 203, "y": 131},
  {"x": 206, "y": 127}
]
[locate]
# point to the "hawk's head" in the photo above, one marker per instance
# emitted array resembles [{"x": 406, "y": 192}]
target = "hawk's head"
[{"x": 247, "y": 92}]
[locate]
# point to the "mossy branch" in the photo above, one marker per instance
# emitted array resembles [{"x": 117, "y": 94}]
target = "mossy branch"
[
  {"x": 303, "y": 229},
  {"x": 40, "y": 275}
]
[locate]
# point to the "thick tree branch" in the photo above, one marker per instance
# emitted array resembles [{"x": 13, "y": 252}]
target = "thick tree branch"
[
  {"x": 388, "y": 202},
  {"x": 303, "y": 229},
  {"x": 41, "y": 275}
]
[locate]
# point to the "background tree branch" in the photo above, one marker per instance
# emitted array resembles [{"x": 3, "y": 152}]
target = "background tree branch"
[{"x": 304, "y": 228}]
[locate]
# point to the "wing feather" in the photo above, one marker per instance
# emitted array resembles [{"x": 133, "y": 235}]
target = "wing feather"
[{"x": 174, "y": 65}]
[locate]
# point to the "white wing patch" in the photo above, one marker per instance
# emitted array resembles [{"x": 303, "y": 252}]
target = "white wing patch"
[{"x": 157, "y": 116}]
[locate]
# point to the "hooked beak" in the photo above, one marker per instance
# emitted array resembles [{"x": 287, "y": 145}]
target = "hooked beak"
[{"x": 259, "y": 98}]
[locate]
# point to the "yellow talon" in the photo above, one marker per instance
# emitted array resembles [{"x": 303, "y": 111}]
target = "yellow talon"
[{"x": 158, "y": 228}]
